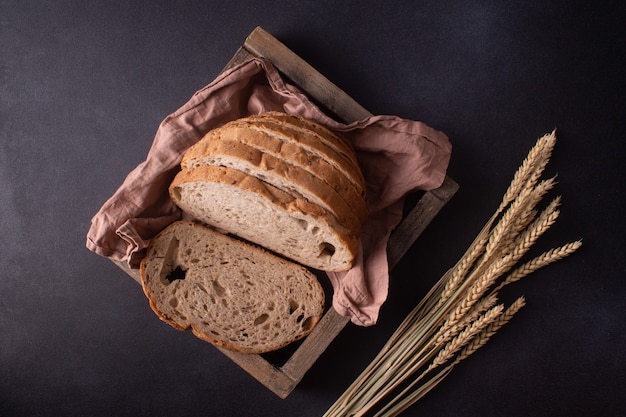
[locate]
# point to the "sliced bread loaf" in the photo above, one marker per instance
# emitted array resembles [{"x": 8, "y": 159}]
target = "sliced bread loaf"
[
  {"x": 349, "y": 207},
  {"x": 261, "y": 213},
  {"x": 228, "y": 292}
]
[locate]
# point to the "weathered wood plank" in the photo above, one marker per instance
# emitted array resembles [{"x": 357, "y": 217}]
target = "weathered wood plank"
[
  {"x": 314, "y": 345},
  {"x": 279, "y": 382},
  {"x": 134, "y": 273},
  {"x": 412, "y": 226},
  {"x": 241, "y": 56}
]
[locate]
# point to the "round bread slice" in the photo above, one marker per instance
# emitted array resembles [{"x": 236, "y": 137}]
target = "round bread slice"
[
  {"x": 228, "y": 292},
  {"x": 261, "y": 213}
]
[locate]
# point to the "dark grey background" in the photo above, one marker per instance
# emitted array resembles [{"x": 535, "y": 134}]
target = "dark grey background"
[{"x": 84, "y": 85}]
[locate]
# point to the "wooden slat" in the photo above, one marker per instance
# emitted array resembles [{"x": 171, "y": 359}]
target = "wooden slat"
[
  {"x": 274, "y": 378},
  {"x": 412, "y": 226},
  {"x": 314, "y": 345},
  {"x": 241, "y": 56}
]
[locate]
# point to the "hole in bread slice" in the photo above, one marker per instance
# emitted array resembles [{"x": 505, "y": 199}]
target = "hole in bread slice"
[
  {"x": 327, "y": 250},
  {"x": 177, "y": 273},
  {"x": 261, "y": 319},
  {"x": 293, "y": 306},
  {"x": 308, "y": 323}
]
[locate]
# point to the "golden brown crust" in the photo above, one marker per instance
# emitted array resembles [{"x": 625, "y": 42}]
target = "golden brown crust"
[
  {"x": 309, "y": 135},
  {"x": 293, "y": 153},
  {"x": 307, "y": 125}
]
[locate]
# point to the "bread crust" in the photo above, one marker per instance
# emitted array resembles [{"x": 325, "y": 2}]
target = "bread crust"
[
  {"x": 308, "y": 135},
  {"x": 291, "y": 152},
  {"x": 321, "y": 132}
]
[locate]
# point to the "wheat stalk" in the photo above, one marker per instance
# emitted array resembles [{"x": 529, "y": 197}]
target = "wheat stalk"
[
  {"x": 459, "y": 314},
  {"x": 442, "y": 356},
  {"x": 464, "y": 265},
  {"x": 519, "y": 216},
  {"x": 523, "y": 196},
  {"x": 446, "y": 333},
  {"x": 474, "y": 294},
  {"x": 465, "y": 336}
]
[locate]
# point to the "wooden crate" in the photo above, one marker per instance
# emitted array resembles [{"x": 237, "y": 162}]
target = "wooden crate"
[{"x": 282, "y": 379}]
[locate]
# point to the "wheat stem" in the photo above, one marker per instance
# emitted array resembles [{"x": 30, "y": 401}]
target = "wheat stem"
[
  {"x": 393, "y": 410},
  {"x": 394, "y": 351},
  {"x": 442, "y": 356},
  {"x": 462, "y": 267}
]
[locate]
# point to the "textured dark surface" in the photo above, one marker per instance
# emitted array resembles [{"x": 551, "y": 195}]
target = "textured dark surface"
[{"x": 83, "y": 86}]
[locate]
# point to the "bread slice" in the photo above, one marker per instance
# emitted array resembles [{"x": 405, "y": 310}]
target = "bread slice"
[
  {"x": 291, "y": 150},
  {"x": 349, "y": 207},
  {"x": 310, "y": 136},
  {"x": 228, "y": 292},
  {"x": 261, "y": 213}
]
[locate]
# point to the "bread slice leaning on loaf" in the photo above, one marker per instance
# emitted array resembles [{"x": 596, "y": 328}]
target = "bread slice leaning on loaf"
[
  {"x": 259, "y": 212},
  {"x": 228, "y": 292}
]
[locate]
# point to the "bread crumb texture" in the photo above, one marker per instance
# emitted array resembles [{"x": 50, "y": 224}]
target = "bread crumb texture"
[{"x": 228, "y": 292}]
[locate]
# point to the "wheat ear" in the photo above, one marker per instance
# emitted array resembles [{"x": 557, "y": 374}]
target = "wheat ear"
[
  {"x": 481, "y": 339},
  {"x": 531, "y": 168},
  {"x": 446, "y": 333},
  {"x": 465, "y": 336},
  {"x": 540, "y": 261}
]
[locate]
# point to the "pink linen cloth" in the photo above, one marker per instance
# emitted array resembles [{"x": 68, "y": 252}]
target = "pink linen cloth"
[{"x": 397, "y": 156}]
